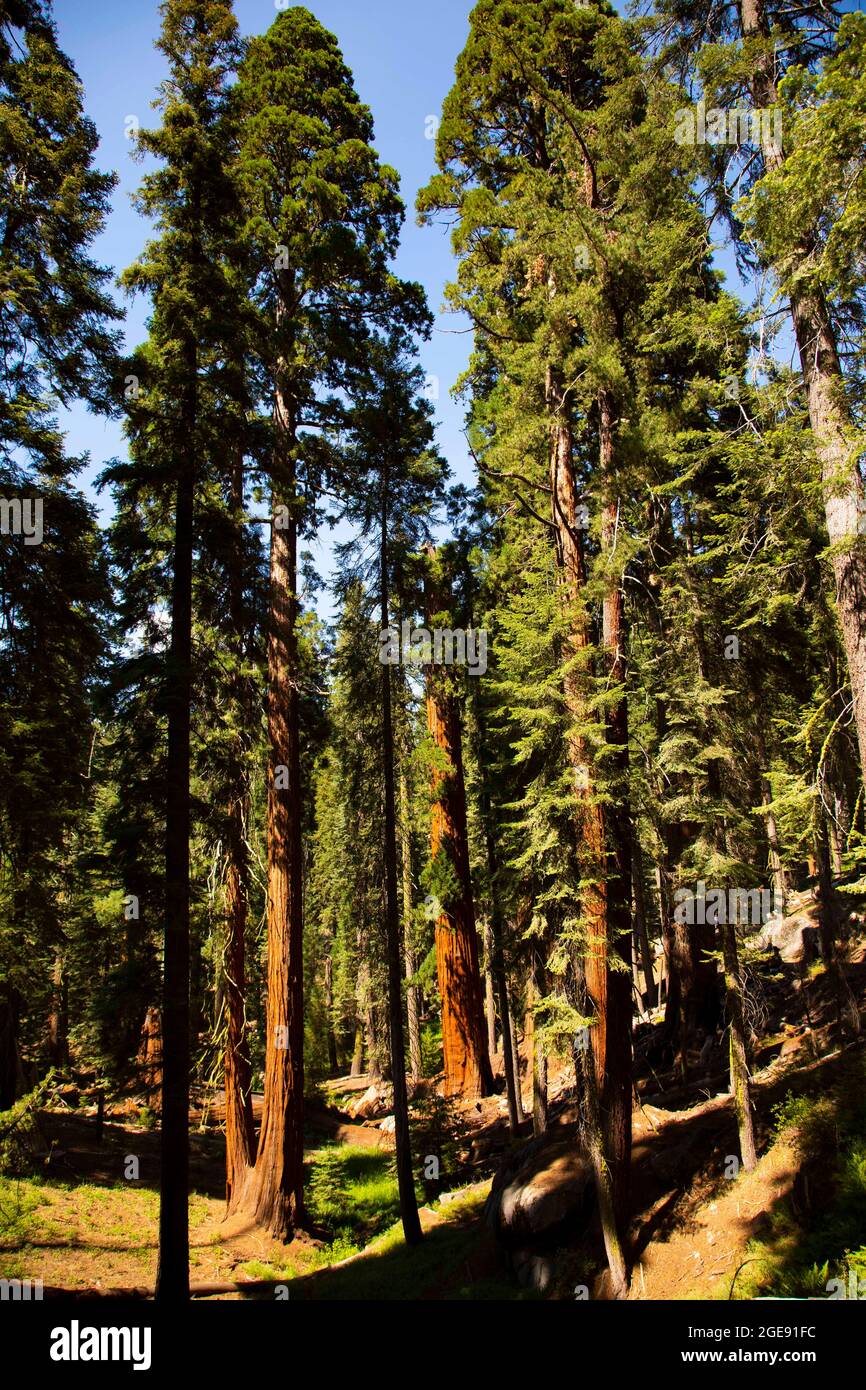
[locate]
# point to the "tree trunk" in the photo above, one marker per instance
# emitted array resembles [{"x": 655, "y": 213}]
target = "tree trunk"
[
  {"x": 497, "y": 954},
  {"x": 333, "y": 1058},
  {"x": 672, "y": 981},
  {"x": 741, "y": 1083},
  {"x": 58, "y": 1018},
  {"x": 777, "y": 869},
  {"x": 467, "y": 1064},
  {"x": 375, "y": 1068},
  {"x": 413, "y": 1001},
  {"x": 240, "y": 1130},
  {"x": 536, "y": 1051},
  {"x": 489, "y": 998},
  {"x": 607, "y": 894},
  {"x": 616, "y": 1093},
  {"x": 512, "y": 1073},
  {"x": 641, "y": 929},
  {"x": 274, "y": 1192},
  {"x": 595, "y": 1144},
  {"x": 405, "y": 1178},
  {"x": 11, "y": 1077},
  {"x": 172, "y": 1279},
  {"x": 515, "y": 1067},
  {"x": 357, "y": 1067},
  {"x": 847, "y": 1010}
]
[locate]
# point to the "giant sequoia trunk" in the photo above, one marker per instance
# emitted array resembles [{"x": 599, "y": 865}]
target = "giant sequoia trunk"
[
  {"x": 829, "y": 411},
  {"x": 240, "y": 1131},
  {"x": 464, "y": 1042},
  {"x": 273, "y": 1193},
  {"x": 172, "y": 1279},
  {"x": 405, "y": 1180}
]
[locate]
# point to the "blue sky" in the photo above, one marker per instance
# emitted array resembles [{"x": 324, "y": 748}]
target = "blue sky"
[{"x": 402, "y": 55}]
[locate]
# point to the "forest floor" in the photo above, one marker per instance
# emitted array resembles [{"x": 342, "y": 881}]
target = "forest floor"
[
  {"x": 700, "y": 1230},
  {"x": 83, "y": 1228}
]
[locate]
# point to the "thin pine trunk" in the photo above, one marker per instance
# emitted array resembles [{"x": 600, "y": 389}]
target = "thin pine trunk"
[
  {"x": 495, "y": 925},
  {"x": 413, "y": 1000},
  {"x": 847, "y": 1010},
  {"x": 595, "y": 1144},
  {"x": 536, "y": 1051},
  {"x": 515, "y": 1067},
  {"x": 741, "y": 1083},
  {"x": 172, "y": 1279},
  {"x": 641, "y": 929},
  {"x": 58, "y": 1018},
  {"x": 333, "y": 1059},
  {"x": 489, "y": 996},
  {"x": 357, "y": 1065},
  {"x": 777, "y": 869}
]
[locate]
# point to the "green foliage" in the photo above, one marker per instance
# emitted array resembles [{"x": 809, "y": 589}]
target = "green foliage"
[
  {"x": 431, "y": 1043},
  {"x": 21, "y": 1141},
  {"x": 439, "y": 1132},
  {"x": 352, "y": 1194},
  {"x": 806, "y": 1248}
]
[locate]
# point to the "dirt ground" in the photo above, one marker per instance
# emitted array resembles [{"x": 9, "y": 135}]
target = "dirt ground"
[{"x": 692, "y": 1226}]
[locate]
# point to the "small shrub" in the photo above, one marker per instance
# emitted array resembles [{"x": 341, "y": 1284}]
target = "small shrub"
[{"x": 438, "y": 1131}]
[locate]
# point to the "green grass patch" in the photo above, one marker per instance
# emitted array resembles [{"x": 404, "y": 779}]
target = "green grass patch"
[
  {"x": 351, "y": 1194},
  {"x": 442, "y": 1265}
]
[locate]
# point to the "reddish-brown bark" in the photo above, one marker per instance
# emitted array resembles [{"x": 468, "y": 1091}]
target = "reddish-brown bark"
[
  {"x": 273, "y": 1191},
  {"x": 601, "y": 848},
  {"x": 240, "y": 1130},
  {"x": 464, "y": 1040}
]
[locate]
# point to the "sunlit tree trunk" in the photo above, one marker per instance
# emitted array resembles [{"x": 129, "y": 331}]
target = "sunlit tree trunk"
[
  {"x": 464, "y": 1042},
  {"x": 240, "y": 1130},
  {"x": 413, "y": 1001},
  {"x": 275, "y": 1188}
]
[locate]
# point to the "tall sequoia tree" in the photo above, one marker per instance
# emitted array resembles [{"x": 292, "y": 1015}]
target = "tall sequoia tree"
[
  {"x": 514, "y": 151},
  {"x": 572, "y": 260},
  {"x": 323, "y": 217},
  {"x": 750, "y": 46},
  {"x": 464, "y": 1042}
]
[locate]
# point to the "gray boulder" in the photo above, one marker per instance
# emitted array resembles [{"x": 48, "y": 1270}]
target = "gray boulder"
[
  {"x": 794, "y": 937},
  {"x": 543, "y": 1192}
]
